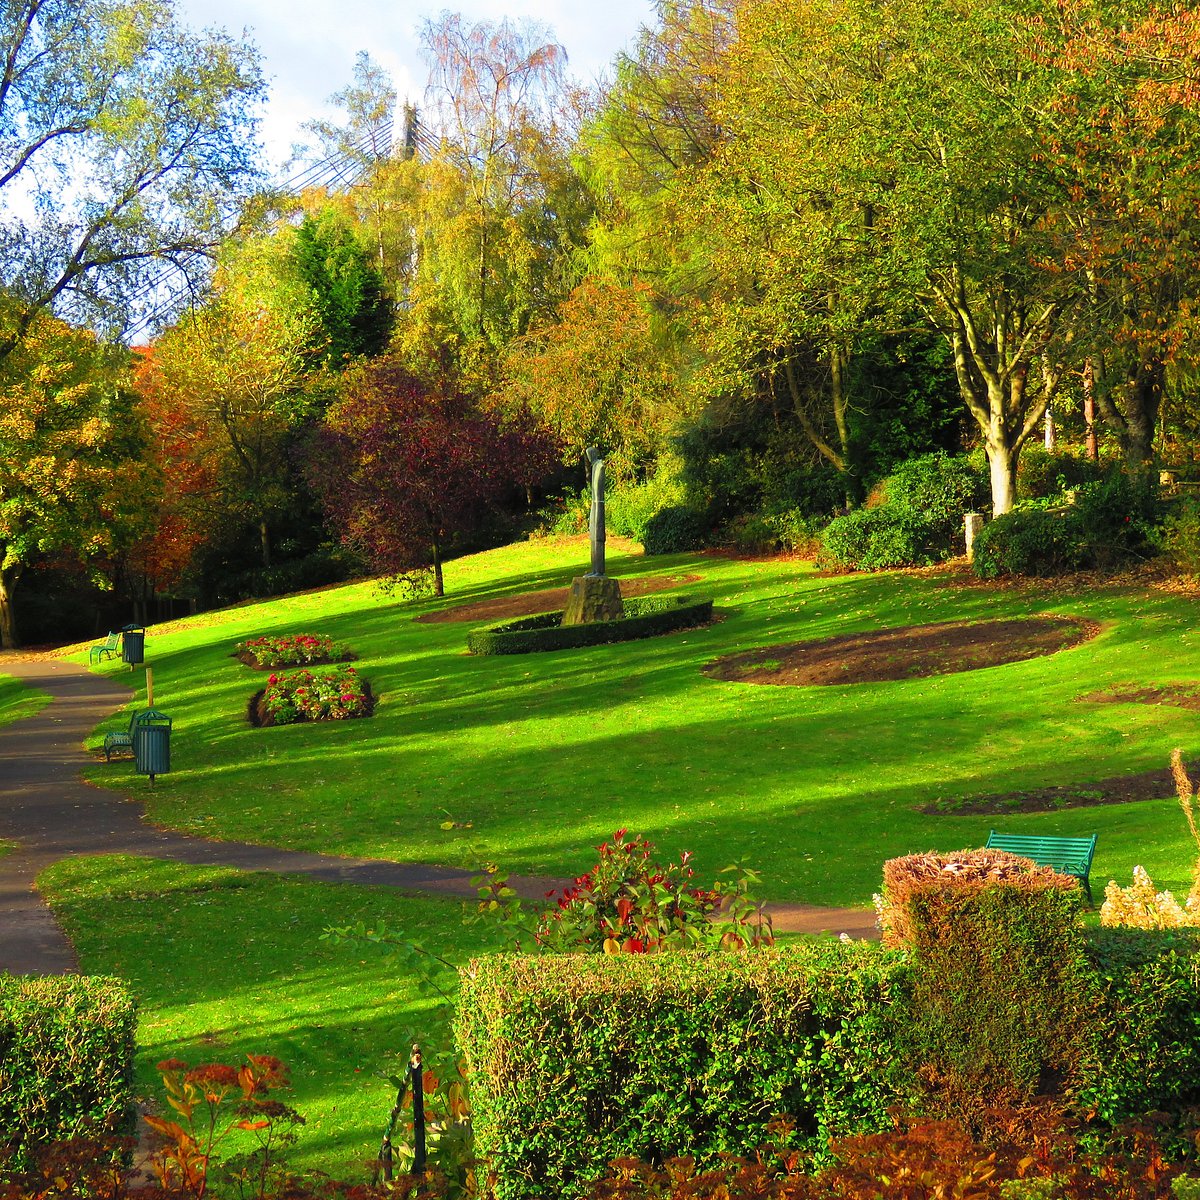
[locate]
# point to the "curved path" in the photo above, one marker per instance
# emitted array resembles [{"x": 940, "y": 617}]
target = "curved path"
[{"x": 50, "y": 813}]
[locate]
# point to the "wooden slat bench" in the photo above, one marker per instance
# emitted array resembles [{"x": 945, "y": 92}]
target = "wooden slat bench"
[
  {"x": 120, "y": 741},
  {"x": 1069, "y": 855},
  {"x": 109, "y": 648}
]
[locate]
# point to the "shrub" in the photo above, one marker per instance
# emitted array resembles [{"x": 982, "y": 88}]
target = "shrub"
[
  {"x": 674, "y": 529},
  {"x": 296, "y": 649},
  {"x": 935, "y": 491},
  {"x": 335, "y": 695},
  {"x": 628, "y": 903},
  {"x": 645, "y": 616},
  {"x": 577, "y": 1060},
  {"x": 1043, "y": 474},
  {"x": 1030, "y": 541},
  {"x": 1143, "y": 1038},
  {"x": 1181, "y": 536},
  {"x": 66, "y": 1059},
  {"x": 875, "y": 539},
  {"x": 1001, "y": 985}
]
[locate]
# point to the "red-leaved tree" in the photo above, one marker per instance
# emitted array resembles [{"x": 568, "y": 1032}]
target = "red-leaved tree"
[{"x": 402, "y": 467}]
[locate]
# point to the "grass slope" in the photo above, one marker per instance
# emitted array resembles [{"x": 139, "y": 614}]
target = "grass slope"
[
  {"x": 17, "y": 700},
  {"x": 547, "y": 754},
  {"x": 226, "y": 963}
]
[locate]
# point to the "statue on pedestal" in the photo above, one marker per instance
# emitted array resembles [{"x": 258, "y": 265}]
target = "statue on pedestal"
[{"x": 596, "y": 517}]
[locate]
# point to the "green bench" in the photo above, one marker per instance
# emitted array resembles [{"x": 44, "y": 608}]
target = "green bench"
[
  {"x": 109, "y": 648},
  {"x": 1068, "y": 855},
  {"x": 119, "y": 741}
]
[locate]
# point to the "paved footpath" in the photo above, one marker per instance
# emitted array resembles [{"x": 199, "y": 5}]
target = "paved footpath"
[{"x": 50, "y": 813}]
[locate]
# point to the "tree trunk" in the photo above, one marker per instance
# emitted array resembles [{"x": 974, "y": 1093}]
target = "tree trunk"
[
  {"x": 1002, "y": 467},
  {"x": 9, "y": 639},
  {"x": 264, "y": 537},
  {"x": 438, "y": 586}
]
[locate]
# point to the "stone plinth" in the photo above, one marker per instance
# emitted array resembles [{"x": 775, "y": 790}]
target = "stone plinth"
[
  {"x": 593, "y": 598},
  {"x": 972, "y": 524}
]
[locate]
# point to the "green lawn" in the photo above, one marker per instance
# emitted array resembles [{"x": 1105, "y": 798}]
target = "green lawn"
[
  {"x": 17, "y": 700},
  {"x": 547, "y": 754},
  {"x": 226, "y": 963}
]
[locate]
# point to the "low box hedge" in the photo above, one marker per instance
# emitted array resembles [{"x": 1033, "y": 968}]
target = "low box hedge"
[
  {"x": 645, "y": 616},
  {"x": 576, "y": 1060},
  {"x": 66, "y": 1059}
]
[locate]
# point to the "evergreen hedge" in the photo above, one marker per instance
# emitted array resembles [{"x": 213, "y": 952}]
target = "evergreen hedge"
[
  {"x": 576, "y": 1060},
  {"x": 645, "y": 616},
  {"x": 66, "y": 1059}
]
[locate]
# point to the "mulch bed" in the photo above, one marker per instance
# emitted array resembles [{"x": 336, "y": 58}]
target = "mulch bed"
[
  {"x": 1174, "y": 695},
  {"x": 1121, "y": 789},
  {"x": 258, "y": 715},
  {"x": 910, "y": 652},
  {"x": 247, "y": 657},
  {"x": 549, "y": 600}
]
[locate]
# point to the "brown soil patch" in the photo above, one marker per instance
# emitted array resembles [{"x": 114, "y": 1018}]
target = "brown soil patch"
[
  {"x": 1121, "y": 789},
  {"x": 910, "y": 652},
  {"x": 1175, "y": 695},
  {"x": 247, "y": 657},
  {"x": 260, "y": 717},
  {"x": 549, "y": 600}
]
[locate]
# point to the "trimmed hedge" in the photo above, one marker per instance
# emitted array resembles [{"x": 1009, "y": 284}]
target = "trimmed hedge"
[
  {"x": 576, "y": 1060},
  {"x": 66, "y": 1059},
  {"x": 645, "y": 616}
]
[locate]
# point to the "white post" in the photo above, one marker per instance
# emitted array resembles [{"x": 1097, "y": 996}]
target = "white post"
[{"x": 972, "y": 524}]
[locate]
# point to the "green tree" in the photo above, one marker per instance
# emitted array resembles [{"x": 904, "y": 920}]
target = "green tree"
[
  {"x": 345, "y": 286},
  {"x": 72, "y": 477},
  {"x": 126, "y": 143}
]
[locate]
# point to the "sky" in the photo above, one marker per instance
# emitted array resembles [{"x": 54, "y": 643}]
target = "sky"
[{"x": 309, "y": 46}]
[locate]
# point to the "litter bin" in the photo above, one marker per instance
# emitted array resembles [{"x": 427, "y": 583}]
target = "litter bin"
[
  {"x": 152, "y": 743},
  {"x": 133, "y": 644}
]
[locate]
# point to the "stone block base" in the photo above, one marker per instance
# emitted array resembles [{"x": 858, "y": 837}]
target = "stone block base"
[{"x": 593, "y": 598}]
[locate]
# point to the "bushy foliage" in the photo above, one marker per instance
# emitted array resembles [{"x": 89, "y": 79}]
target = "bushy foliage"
[
  {"x": 1181, "y": 536},
  {"x": 305, "y": 695},
  {"x": 1001, "y": 988},
  {"x": 1043, "y": 474},
  {"x": 675, "y": 529},
  {"x": 918, "y": 522},
  {"x": 688, "y": 1054},
  {"x": 630, "y": 904},
  {"x": 295, "y": 649},
  {"x": 66, "y": 1060},
  {"x": 1100, "y": 524}
]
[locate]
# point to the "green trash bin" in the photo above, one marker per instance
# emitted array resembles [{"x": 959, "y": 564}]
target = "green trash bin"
[
  {"x": 133, "y": 645},
  {"x": 152, "y": 743}
]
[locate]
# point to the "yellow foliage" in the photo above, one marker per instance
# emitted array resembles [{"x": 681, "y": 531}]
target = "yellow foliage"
[{"x": 1143, "y": 907}]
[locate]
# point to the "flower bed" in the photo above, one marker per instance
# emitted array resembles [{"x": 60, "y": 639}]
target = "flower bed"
[
  {"x": 337, "y": 695},
  {"x": 294, "y": 650},
  {"x": 644, "y": 617}
]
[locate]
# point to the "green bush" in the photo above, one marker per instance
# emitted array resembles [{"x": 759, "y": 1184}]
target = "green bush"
[
  {"x": 577, "y": 1060},
  {"x": 1043, "y": 474},
  {"x": 66, "y": 1060},
  {"x": 674, "y": 529},
  {"x": 1026, "y": 541},
  {"x": 935, "y": 491},
  {"x": 1102, "y": 524},
  {"x": 876, "y": 539},
  {"x": 1181, "y": 536},
  {"x": 1143, "y": 1051},
  {"x": 645, "y": 616},
  {"x": 919, "y": 522}
]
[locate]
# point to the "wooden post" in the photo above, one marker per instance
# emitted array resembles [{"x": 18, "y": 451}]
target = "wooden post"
[{"x": 149, "y": 688}]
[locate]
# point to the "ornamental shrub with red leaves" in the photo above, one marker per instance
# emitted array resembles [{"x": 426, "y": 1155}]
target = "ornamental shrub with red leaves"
[
  {"x": 925, "y": 1160},
  {"x": 630, "y": 904}
]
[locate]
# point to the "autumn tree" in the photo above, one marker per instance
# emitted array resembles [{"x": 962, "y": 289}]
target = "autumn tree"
[
  {"x": 72, "y": 479},
  {"x": 404, "y": 468},
  {"x": 126, "y": 144}
]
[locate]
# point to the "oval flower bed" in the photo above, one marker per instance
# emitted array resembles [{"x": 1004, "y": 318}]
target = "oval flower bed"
[
  {"x": 294, "y": 650},
  {"x": 647, "y": 616},
  {"x": 337, "y": 695}
]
